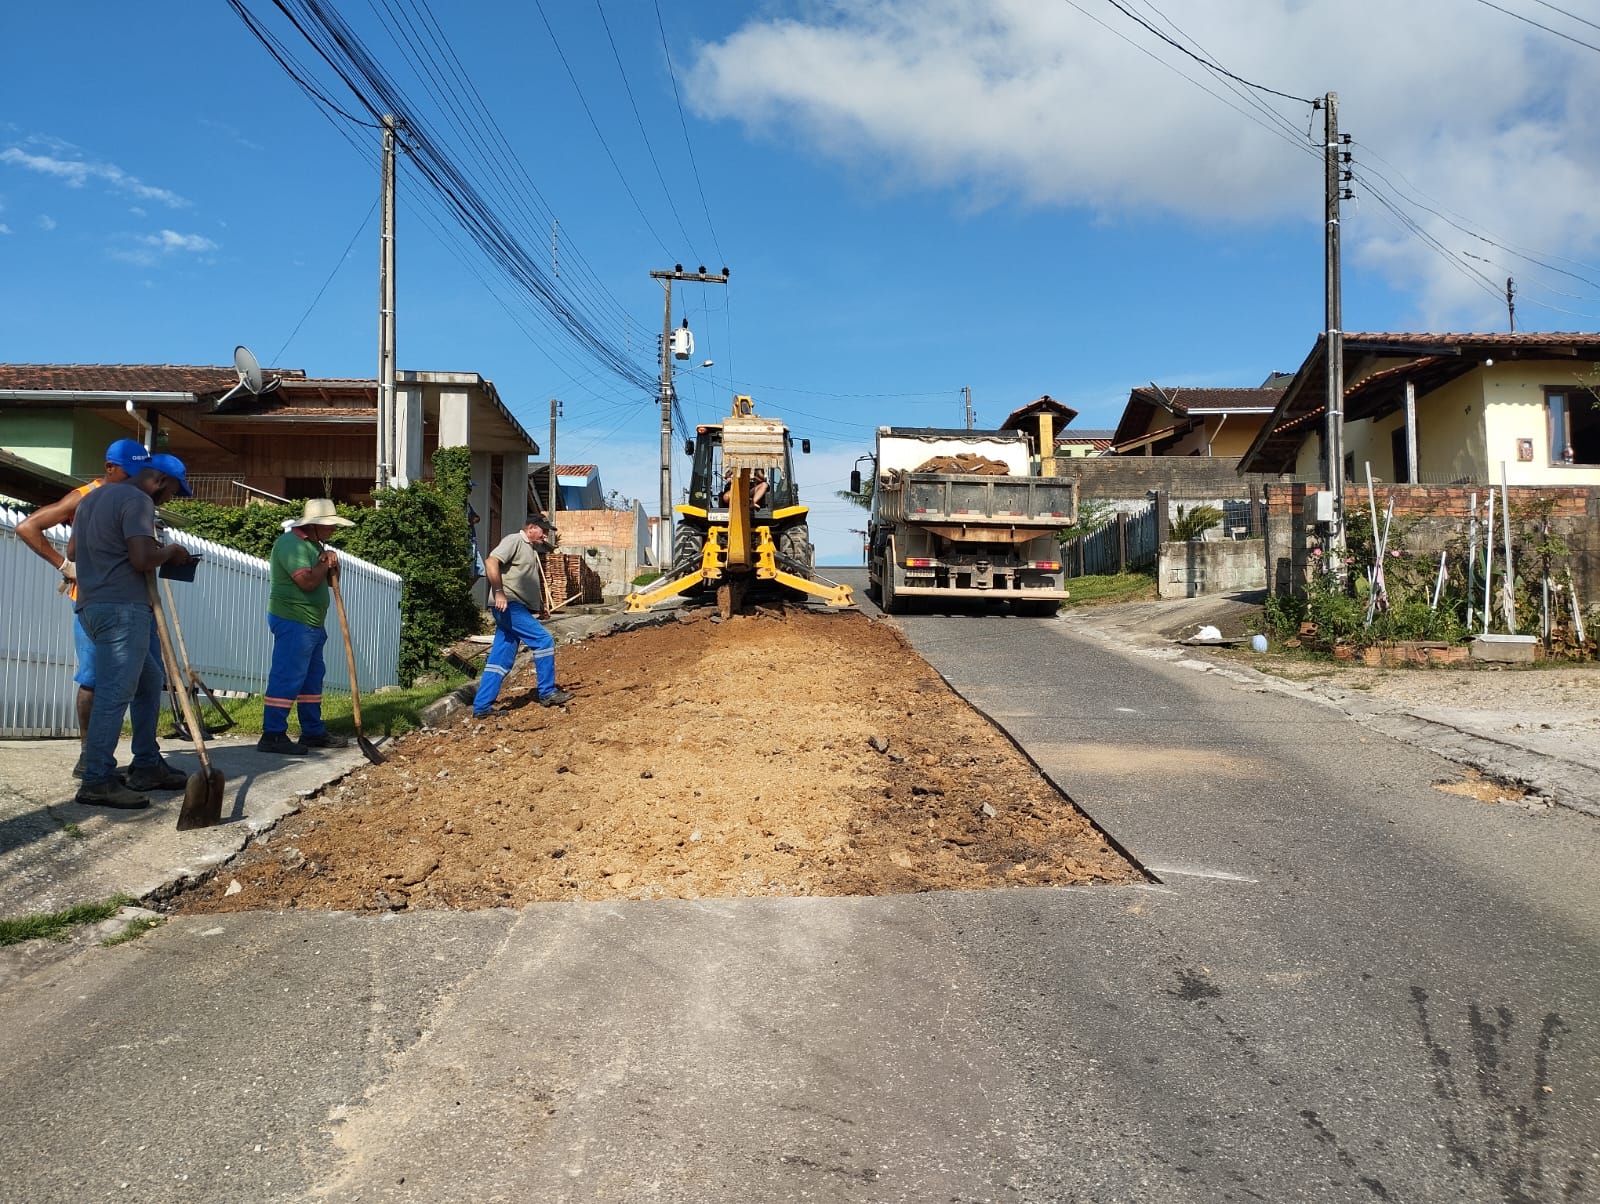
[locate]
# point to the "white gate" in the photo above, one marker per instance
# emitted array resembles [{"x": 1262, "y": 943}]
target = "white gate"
[{"x": 222, "y": 614}]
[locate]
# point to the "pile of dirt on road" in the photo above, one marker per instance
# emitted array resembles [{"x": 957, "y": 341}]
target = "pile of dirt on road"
[{"x": 782, "y": 753}]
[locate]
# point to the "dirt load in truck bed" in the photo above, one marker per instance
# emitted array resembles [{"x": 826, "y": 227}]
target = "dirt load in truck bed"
[{"x": 793, "y": 753}]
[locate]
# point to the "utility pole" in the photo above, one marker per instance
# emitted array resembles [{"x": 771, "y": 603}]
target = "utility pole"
[
  {"x": 386, "y": 353},
  {"x": 1511, "y": 305},
  {"x": 555, "y": 410},
  {"x": 1333, "y": 426},
  {"x": 967, "y": 390},
  {"x": 664, "y": 528}
]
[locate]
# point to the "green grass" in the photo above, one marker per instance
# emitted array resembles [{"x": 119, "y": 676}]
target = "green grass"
[
  {"x": 133, "y": 930},
  {"x": 388, "y": 714},
  {"x": 55, "y": 925},
  {"x": 1117, "y": 587}
]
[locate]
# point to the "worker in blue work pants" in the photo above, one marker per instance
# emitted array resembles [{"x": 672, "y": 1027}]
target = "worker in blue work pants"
[{"x": 517, "y": 598}]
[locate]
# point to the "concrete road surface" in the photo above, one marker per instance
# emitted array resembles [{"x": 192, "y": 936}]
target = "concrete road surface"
[{"x": 1339, "y": 984}]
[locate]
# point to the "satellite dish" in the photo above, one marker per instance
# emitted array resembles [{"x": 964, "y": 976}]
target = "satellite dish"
[
  {"x": 250, "y": 376},
  {"x": 247, "y": 367}
]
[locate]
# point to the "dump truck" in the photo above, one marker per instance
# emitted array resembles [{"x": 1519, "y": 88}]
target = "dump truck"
[
  {"x": 957, "y": 514},
  {"x": 733, "y": 537}
]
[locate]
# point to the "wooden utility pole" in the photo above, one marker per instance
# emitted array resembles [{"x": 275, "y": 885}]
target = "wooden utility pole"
[
  {"x": 664, "y": 530},
  {"x": 1333, "y": 425},
  {"x": 386, "y": 339}
]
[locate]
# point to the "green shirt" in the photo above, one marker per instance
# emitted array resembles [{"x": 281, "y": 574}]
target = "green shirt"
[{"x": 287, "y": 600}]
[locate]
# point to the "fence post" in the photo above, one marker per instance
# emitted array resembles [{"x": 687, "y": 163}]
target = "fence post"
[
  {"x": 1163, "y": 518},
  {"x": 1122, "y": 542}
]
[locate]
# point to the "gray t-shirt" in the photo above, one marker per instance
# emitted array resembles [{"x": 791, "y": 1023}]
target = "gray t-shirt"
[
  {"x": 106, "y": 519},
  {"x": 520, "y": 571}
]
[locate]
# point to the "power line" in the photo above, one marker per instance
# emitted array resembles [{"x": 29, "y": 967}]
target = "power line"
[
  {"x": 1546, "y": 28},
  {"x": 1209, "y": 65},
  {"x": 628, "y": 88}
]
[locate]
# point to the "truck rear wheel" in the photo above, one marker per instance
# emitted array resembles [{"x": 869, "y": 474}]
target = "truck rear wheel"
[{"x": 890, "y": 604}]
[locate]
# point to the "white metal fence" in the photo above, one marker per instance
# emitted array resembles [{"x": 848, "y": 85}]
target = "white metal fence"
[{"x": 222, "y": 614}]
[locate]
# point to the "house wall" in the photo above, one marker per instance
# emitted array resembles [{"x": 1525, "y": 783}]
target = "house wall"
[
  {"x": 1185, "y": 478},
  {"x": 1515, "y": 409},
  {"x": 44, "y": 438},
  {"x": 1232, "y": 434}
]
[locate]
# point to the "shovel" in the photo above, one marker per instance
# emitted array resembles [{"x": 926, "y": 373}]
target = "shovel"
[
  {"x": 368, "y": 748},
  {"x": 195, "y": 685},
  {"x": 202, "y": 795}
]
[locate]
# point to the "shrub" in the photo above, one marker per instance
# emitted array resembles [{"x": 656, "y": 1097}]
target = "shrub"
[{"x": 1194, "y": 522}]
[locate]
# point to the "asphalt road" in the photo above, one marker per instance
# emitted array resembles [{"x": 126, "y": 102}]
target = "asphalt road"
[{"x": 1340, "y": 984}]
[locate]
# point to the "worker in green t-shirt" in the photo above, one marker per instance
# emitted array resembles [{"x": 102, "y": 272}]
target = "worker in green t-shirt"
[{"x": 297, "y": 606}]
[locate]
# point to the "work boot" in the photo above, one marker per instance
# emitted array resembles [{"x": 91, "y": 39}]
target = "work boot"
[
  {"x": 160, "y": 776},
  {"x": 557, "y": 697},
  {"x": 77, "y": 770},
  {"x": 279, "y": 742},
  {"x": 324, "y": 740},
  {"x": 110, "y": 793}
]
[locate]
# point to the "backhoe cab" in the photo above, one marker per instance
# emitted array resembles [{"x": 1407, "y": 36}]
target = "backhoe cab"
[{"x": 729, "y": 543}]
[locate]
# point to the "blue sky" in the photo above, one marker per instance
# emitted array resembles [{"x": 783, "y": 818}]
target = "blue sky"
[{"x": 1020, "y": 196}]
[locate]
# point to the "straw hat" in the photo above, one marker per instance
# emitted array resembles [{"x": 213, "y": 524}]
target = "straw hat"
[{"x": 320, "y": 513}]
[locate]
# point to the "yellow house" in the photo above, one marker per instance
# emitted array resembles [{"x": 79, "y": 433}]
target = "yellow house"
[{"x": 1446, "y": 408}]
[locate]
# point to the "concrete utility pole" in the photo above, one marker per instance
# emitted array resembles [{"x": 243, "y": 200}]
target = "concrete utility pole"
[
  {"x": 386, "y": 353},
  {"x": 1511, "y": 304},
  {"x": 967, "y": 390},
  {"x": 664, "y": 529},
  {"x": 1333, "y": 425},
  {"x": 555, "y": 493}
]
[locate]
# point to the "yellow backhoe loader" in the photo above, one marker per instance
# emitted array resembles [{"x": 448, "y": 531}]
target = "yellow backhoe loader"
[{"x": 743, "y": 527}]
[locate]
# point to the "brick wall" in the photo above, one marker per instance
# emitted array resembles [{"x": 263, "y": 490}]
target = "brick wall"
[{"x": 1436, "y": 515}]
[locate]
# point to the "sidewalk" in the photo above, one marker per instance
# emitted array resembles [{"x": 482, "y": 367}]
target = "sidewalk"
[
  {"x": 1539, "y": 728},
  {"x": 55, "y": 853}
]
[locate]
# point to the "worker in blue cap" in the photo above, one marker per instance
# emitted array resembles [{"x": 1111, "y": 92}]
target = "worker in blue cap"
[{"x": 125, "y": 458}]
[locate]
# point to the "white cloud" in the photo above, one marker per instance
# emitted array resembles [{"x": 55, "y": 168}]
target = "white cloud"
[
  {"x": 1065, "y": 104},
  {"x": 170, "y": 240},
  {"x": 76, "y": 173},
  {"x": 45, "y": 222},
  {"x": 4, "y": 229}
]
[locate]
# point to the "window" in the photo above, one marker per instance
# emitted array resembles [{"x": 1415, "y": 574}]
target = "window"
[{"x": 1574, "y": 423}]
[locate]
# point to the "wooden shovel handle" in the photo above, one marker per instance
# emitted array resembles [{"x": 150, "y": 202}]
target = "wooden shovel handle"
[
  {"x": 170, "y": 663},
  {"x": 349, "y": 651}
]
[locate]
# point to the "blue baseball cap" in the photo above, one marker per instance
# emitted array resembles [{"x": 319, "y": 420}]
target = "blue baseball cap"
[
  {"x": 128, "y": 455},
  {"x": 174, "y": 468}
]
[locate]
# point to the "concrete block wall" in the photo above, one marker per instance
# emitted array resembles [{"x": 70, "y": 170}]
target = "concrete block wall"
[{"x": 1188, "y": 570}]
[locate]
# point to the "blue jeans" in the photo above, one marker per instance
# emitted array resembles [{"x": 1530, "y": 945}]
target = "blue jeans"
[
  {"x": 514, "y": 626},
  {"x": 128, "y": 681},
  {"x": 84, "y": 647},
  {"x": 295, "y": 677}
]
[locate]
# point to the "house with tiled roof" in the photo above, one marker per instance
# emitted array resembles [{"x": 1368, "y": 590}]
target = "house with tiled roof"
[
  {"x": 1075, "y": 445},
  {"x": 298, "y": 437},
  {"x": 1442, "y": 408},
  {"x": 1175, "y": 420}
]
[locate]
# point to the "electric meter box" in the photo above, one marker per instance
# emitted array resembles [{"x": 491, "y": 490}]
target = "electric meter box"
[{"x": 1319, "y": 506}]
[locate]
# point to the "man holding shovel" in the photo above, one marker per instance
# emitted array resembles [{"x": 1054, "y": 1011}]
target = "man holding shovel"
[
  {"x": 517, "y": 595},
  {"x": 114, "y": 547},
  {"x": 297, "y": 607}
]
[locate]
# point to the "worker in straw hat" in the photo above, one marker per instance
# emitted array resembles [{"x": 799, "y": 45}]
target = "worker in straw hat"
[{"x": 297, "y": 607}]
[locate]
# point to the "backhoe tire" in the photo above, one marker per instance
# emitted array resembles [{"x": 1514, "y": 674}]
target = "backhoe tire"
[
  {"x": 794, "y": 545},
  {"x": 687, "y": 546}
]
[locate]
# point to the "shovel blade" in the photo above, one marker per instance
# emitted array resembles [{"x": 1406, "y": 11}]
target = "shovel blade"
[
  {"x": 370, "y": 750},
  {"x": 202, "y": 801}
]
